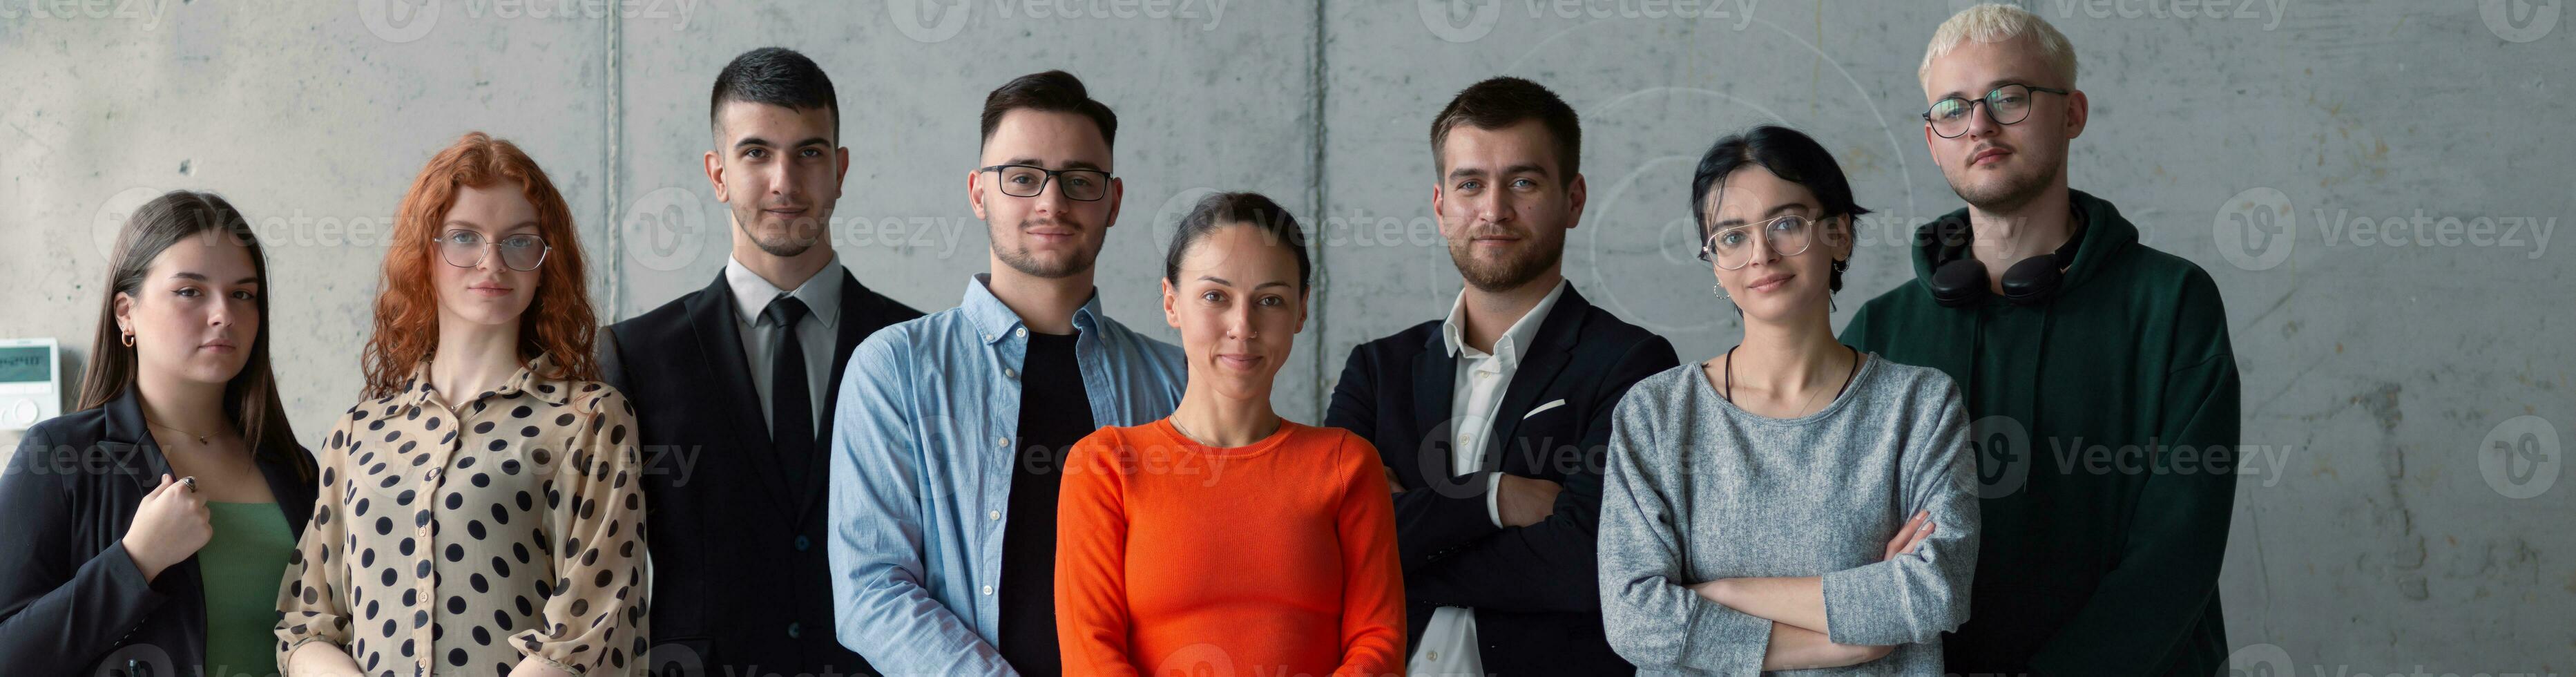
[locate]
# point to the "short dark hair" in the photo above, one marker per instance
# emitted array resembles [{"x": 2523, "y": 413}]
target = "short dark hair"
[
  {"x": 777, "y": 76},
  {"x": 1051, "y": 91},
  {"x": 1787, "y": 153},
  {"x": 1248, "y": 209},
  {"x": 1505, "y": 101}
]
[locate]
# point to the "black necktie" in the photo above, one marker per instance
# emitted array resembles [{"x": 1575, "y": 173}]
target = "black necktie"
[{"x": 791, "y": 414}]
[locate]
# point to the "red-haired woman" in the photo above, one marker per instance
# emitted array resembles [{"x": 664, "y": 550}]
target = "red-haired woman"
[{"x": 480, "y": 511}]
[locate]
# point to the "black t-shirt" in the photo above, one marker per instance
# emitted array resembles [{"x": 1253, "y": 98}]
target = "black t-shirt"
[{"x": 1055, "y": 412}]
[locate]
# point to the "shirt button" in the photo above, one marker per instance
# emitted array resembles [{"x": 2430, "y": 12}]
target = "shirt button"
[
  {"x": 1001, "y": 441},
  {"x": 1007, "y": 373},
  {"x": 995, "y": 515},
  {"x": 1434, "y": 656},
  {"x": 802, "y": 543},
  {"x": 986, "y": 337},
  {"x": 1022, "y": 332},
  {"x": 988, "y": 591},
  {"x": 795, "y": 630}
]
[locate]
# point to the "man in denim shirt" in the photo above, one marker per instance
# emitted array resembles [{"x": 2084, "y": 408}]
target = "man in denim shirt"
[{"x": 951, "y": 427}]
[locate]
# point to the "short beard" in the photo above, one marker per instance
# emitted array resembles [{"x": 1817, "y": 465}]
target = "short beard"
[
  {"x": 1512, "y": 273},
  {"x": 786, "y": 245},
  {"x": 2013, "y": 194},
  {"x": 1018, "y": 259}
]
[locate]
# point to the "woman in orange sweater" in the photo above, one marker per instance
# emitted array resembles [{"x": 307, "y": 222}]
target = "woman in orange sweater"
[{"x": 1224, "y": 540}]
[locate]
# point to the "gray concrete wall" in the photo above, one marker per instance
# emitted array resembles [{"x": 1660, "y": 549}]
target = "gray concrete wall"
[{"x": 2378, "y": 530}]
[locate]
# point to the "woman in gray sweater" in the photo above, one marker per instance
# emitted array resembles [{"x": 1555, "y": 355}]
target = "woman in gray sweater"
[{"x": 1793, "y": 503}]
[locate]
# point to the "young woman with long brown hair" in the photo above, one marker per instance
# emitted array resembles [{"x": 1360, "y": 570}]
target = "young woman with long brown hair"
[{"x": 143, "y": 530}]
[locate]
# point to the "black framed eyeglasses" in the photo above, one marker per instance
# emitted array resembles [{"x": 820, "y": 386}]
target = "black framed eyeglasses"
[
  {"x": 1028, "y": 181},
  {"x": 2006, "y": 105},
  {"x": 466, "y": 249}
]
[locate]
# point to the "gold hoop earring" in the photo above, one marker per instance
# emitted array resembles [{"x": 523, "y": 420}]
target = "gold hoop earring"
[{"x": 128, "y": 338}]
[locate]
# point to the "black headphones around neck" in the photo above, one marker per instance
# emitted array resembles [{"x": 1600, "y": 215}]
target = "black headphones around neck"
[{"x": 1959, "y": 280}]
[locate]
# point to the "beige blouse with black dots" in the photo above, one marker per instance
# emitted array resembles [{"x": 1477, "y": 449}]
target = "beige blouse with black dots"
[{"x": 455, "y": 541}]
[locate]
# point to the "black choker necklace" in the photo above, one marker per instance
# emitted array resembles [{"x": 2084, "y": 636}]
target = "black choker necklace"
[{"x": 1728, "y": 373}]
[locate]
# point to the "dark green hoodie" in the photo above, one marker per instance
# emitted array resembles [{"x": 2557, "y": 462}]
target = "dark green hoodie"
[{"x": 2106, "y": 453}]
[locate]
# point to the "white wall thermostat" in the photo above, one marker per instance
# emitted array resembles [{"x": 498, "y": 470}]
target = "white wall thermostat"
[{"x": 31, "y": 382}]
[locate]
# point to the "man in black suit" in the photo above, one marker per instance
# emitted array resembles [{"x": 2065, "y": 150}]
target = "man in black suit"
[
  {"x": 1492, "y": 423},
  {"x": 733, "y": 388}
]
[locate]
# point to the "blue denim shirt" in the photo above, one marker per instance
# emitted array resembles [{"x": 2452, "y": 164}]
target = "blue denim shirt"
[{"x": 922, "y": 444}]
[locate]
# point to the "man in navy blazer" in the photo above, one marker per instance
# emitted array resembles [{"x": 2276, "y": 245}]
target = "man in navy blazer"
[{"x": 1493, "y": 422}]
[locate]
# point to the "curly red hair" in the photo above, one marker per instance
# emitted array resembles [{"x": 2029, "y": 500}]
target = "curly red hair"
[{"x": 559, "y": 323}]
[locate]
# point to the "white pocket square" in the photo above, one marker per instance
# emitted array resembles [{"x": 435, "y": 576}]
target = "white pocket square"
[{"x": 1543, "y": 407}]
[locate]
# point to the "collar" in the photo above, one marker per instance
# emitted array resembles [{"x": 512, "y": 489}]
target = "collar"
[
  {"x": 124, "y": 416},
  {"x": 994, "y": 321},
  {"x": 751, "y": 294},
  {"x": 1509, "y": 346},
  {"x": 527, "y": 379}
]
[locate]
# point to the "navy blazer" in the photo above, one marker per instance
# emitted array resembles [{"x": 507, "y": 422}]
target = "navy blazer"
[
  {"x": 1536, "y": 589},
  {"x": 742, "y": 579},
  {"x": 72, "y": 601}
]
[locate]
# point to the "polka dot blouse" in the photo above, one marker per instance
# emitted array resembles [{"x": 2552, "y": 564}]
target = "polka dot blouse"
[{"x": 456, "y": 541}]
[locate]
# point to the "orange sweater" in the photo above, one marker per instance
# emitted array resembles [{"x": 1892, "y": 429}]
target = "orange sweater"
[{"x": 1276, "y": 558}]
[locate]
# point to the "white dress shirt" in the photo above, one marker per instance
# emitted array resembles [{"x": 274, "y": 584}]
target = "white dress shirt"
[
  {"x": 1449, "y": 642},
  {"x": 816, "y": 333}
]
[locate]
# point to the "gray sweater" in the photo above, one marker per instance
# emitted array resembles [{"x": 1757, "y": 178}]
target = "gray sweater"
[{"x": 1699, "y": 490}]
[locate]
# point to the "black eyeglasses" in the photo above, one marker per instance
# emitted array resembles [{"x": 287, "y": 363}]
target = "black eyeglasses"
[
  {"x": 1028, "y": 181},
  {"x": 466, "y": 249},
  {"x": 2006, "y": 105}
]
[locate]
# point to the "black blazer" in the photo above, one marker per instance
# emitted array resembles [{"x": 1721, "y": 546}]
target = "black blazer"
[
  {"x": 72, "y": 601},
  {"x": 1536, "y": 589},
  {"x": 741, "y": 577}
]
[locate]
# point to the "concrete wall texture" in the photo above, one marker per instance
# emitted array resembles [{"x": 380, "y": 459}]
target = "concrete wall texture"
[{"x": 2334, "y": 165}]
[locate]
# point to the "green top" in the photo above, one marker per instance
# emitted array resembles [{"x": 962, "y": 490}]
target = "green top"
[
  {"x": 2106, "y": 426},
  {"x": 241, "y": 566}
]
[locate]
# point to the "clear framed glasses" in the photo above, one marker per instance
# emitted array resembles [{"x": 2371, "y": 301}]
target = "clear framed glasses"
[
  {"x": 1083, "y": 185},
  {"x": 2006, "y": 105},
  {"x": 466, "y": 249},
  {"x": 1732, "y": 247}
]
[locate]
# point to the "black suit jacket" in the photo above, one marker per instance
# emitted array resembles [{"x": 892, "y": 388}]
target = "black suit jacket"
[
  {"x": 1536, "y": 589},
  {"x": 741, "y": 577},
  {"x": 72, "y": 601}
]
